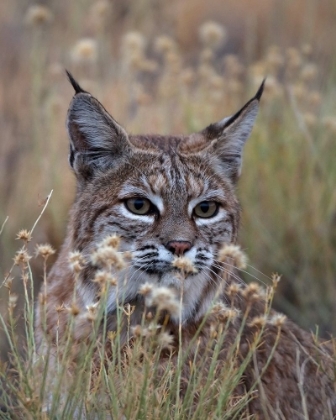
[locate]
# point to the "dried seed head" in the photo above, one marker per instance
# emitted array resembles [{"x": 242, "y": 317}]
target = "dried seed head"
[
  {"x": 150, "y": 331},
  {"x": 106, "y": 256},
  {"x": 258, "y": 321},
  {"x": 275, "y": 280},
  {"x": 74, "y": 309},
  {"x": 77, "y": 256},
  {"x": 112, "y": 241},
  {"x": 277, "y": 320},
  {"x": 60, "y": 308},
  {"x": 21, "y": 257},
  {"x": 212, "y": 34},
  {"x": 252, "y": 292},
  {"x": 24, "y": 235},
  {"x": 76, "y": 261},
  {"x": 146, "y": 289},
  {"x": 165, "y": 340},
  {"x": 128, "y": 309},
  {"x": 163, "y": 299},
  {"x": 85, "y": 50},
  {"x": 232, "y": 253},
  {"x": 38, "y": 15},
  {"x": 184, "y": 264},
  {"x": 76, "y": 267},
  {"x": 224, "y": 313},
  {"x": 219, "y": 307},
  {"x": 91, "y": 314},
  {"x": 93, "y": 307},
  {"x": 103, "y": 277},
  {"x": 252, "y": 288},
  {"x": 45, "y": 250},
  {"x": 267, "y": 294},
  {"x": 234, "y": 289}
]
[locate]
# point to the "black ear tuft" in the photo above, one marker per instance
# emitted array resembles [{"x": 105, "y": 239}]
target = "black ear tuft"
[
  {"x": 75, "y": 85},
  {"x": 260, "y": 90}
]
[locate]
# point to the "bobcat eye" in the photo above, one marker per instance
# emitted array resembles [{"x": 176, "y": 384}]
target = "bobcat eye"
[
  {"x": 140, "y": 206},
  {"x": 206, "y": 209}
]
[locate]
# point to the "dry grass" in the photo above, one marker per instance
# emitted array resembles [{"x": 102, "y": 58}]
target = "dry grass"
[{"x": 102, "y": 376}]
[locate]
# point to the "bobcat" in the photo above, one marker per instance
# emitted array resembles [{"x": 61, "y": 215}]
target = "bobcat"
[{"x": 172, "y": 196}]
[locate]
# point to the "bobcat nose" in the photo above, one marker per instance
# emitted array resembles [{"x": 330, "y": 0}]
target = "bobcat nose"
[{"x": 178, "y": 247}]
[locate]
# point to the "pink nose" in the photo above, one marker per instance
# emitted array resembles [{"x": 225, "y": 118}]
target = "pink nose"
[{"x": 178, "y": 247}]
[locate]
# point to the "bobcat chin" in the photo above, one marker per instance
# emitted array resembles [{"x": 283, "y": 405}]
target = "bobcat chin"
[{"x": 167, "y": 197}]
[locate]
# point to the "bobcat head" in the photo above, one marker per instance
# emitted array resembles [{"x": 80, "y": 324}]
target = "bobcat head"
[{"x": 165, "y": 196}]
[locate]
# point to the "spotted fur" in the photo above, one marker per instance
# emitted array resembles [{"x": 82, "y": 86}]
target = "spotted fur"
[{"x": 175, "y": 173}]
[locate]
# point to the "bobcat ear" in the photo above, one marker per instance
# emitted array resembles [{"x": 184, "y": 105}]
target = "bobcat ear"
[
  {"x": 229, "y": 135},
  {"x": 97, "y": 141}
]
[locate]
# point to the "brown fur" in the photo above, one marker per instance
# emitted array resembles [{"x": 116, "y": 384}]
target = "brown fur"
[{"x": 177, "y": 171}]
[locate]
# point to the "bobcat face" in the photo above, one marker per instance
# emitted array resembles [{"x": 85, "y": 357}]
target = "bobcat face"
[
  {"x": 164, "y": 196},
  {"x": 172, "y": 205}
]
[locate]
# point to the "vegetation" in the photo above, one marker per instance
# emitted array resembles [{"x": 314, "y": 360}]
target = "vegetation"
[
  {"x": 106, "y": 376},
  {"x": 173, "y": 67}
]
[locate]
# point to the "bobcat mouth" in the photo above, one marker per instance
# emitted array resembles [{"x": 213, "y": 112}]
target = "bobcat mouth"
[{"x": 160, "y": 268}]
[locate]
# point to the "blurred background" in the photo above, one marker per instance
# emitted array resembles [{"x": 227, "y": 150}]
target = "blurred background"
[{"x": 174, "y": 67}]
